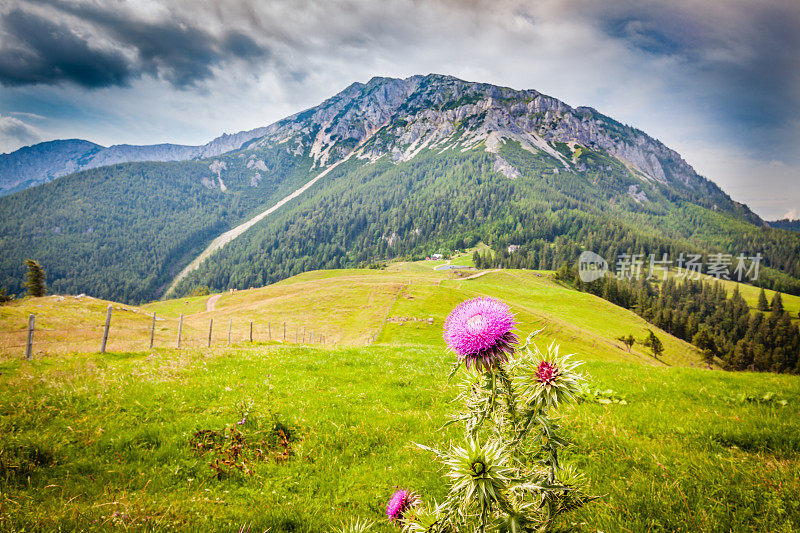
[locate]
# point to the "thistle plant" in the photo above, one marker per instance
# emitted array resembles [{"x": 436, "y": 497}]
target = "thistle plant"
[
  {"x": 400, "y": 504},
  {"x": 506, "y": 476}
]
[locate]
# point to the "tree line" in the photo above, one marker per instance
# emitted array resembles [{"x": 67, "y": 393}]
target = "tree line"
[{"x": 722, "y": 325}]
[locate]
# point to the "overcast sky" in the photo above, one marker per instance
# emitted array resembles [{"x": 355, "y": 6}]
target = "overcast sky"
[{"x": 718, "y": 81}]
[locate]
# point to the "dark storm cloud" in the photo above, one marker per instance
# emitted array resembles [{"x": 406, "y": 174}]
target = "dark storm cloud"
[
  {"x": 37, "y": 50},
  {"x": 96, "y": 46},
  {"x": 173, "y": 48},
  {"x": 738, "y": 58}
]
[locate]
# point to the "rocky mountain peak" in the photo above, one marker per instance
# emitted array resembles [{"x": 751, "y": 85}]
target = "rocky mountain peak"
[{"x": 398, "y": 118}]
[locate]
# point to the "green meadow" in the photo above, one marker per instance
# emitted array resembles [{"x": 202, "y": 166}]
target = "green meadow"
[
  {"x": 278, "y": 435},
  {"x": 109, "y": 442}
]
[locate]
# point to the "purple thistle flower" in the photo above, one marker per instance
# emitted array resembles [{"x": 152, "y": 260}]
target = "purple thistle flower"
[
  {"x": 400, "y": 502},
  {"x": 479, "y": 332}
]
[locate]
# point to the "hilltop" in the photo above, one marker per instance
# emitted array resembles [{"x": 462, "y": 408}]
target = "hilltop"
[{"x": 403, "y": 305}]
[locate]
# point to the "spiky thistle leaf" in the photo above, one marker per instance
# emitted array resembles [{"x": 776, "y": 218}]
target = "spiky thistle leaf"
[
  {"x": 544, "y": 380},
  {"x": 480, "y": 474},
  {"x": 357, "y": 525}
]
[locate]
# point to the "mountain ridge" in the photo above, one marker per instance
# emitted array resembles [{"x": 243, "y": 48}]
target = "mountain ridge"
[
  {"x": 785, "y": 223},
  {"x": 518, "y": 167},
  {"x": 331, "y": 130},
  {"x": 560, "y": 122},
  {"x": 42, "y": 162}
]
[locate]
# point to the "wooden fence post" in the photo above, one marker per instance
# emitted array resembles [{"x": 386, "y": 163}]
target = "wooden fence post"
[
  {"x": 295, "y": 334},
  {"x": 230, "y": 325},
  {"x": 304, "y": 334},
  {"x": 29, "y": 344},
  {"x": 269, "y": 331},
  {"x": 105, "y": 330},
  {"x": 180, "y": 328},
  {"x": 210, "y": 327},
  {"x": 152, "y": 331},
  {"x": 284, "y": 332},
  {"x": 251, "y": 331}
]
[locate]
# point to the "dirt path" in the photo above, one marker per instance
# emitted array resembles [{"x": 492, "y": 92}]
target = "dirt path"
[
  {"x": 228, "y": 236},
  {"x": 211, "y": 303},
  {"x": 479, "y": 274}
]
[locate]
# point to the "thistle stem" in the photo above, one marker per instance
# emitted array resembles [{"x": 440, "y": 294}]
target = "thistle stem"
[
  {"x": 550, "y": 446},
  {"x": 510, "y": 398}
]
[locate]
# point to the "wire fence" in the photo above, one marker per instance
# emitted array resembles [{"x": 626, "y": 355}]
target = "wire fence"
[{"x": 119, "y": 330}]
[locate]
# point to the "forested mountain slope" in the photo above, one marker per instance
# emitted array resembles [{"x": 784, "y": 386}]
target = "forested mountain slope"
[
  {"x": 453, "y": 200},
  {"x": 123, "y": 231},
  {"x": 434, "y": 163}
]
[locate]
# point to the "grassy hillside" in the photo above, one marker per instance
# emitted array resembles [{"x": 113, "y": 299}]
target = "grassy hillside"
[
  {"x": 90, "y": 442},
  {"x": 346, "y": 307},
  {"x": 126, "y": 440},
  {"x": 582, "y": 322}
]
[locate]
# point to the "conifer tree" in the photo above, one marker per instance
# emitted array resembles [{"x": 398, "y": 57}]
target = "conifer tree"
[
  {"x": 705, "y": 341},
  {"x": 777, "y": 304},
  {"x": 742, "y": 355},
  {"x": 655, "y": 344},
  {"x": 35, "y": 279},
  {"x": 763, "y": 305}
]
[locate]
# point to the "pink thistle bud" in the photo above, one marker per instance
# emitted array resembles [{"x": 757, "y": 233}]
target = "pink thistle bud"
[
  {"x": 400, "y": 502},
  {"x": 546, "y": 373}
]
